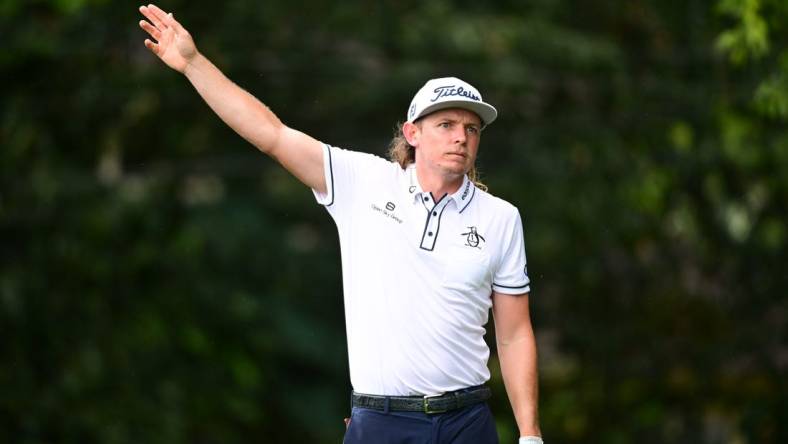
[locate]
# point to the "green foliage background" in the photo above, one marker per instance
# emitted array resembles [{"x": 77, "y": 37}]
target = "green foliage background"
[{"x": 162, "y": 282}]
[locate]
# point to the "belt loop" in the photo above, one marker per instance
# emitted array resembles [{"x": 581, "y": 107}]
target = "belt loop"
[{"x": 386, "y": 405}]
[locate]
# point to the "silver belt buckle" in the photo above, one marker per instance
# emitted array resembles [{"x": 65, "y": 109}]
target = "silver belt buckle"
[{"x": 429, "y": 410}]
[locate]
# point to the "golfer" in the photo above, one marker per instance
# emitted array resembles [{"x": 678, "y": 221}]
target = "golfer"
[{"x": 426, "y": 254}]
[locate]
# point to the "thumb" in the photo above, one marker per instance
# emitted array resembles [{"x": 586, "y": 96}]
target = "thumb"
[{"x": 174, "y": 23}]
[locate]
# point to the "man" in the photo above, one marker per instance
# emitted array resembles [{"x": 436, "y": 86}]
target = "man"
[{"x": 425, "y": 254}]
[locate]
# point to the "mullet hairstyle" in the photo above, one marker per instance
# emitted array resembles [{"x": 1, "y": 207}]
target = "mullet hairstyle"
[{"x": 403, "y": 153}]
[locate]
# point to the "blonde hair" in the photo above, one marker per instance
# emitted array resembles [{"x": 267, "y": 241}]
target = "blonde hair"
[{"x": 404, "y": 154}]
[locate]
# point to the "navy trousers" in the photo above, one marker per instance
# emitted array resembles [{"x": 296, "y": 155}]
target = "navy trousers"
[{"x": 469, "y": 425}]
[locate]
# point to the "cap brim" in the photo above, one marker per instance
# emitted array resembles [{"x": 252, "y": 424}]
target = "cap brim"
[{"x": 485, "y": 111}]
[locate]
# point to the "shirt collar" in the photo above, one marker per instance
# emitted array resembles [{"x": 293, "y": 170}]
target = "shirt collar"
[
  {"x": 412, "y": 187},
  {"x": 462, "y": 197}
]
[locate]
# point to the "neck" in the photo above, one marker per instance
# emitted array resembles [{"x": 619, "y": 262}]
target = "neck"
[{"x": 438, "y": 184}]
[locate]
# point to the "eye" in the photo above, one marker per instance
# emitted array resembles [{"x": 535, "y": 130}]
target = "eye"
[
  {"x": 444, "y": 125},
  {"x": 473, "y": 130}
]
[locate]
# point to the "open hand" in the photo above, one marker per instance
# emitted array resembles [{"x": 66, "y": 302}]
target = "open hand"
[{"x": 173, "y": 44}]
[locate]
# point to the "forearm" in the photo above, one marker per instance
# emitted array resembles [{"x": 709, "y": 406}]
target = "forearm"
[
  {"x": 518, "y": 360},
  {"x": 246, "y": 115}
]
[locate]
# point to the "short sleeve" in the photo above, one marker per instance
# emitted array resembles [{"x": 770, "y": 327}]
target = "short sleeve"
[
  {"x": 345, "y": 172},
  {"x": 327, "y": 198},
  {"x": 511, "y": 276}
]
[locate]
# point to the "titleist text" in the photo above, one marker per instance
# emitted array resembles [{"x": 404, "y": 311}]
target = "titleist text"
[{"x": 448, "y": 91}]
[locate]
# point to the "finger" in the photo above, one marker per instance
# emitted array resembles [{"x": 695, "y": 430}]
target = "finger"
[
  {"x": 152, "y": 13},
  {"x": 159, "y": 14},
  {"x": 152, "y": 17},
  {"x": 152, "y": 46},
  {"x": 154, "y": 32},
  {"x": 175, "y": 24},
  {"x": 167, "y": 19}
]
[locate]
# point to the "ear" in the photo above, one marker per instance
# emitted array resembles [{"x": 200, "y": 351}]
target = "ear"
[{"x": 412, "y": 133}]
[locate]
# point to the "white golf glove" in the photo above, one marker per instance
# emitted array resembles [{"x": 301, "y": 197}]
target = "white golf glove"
[{"x": 530, "y": 440}]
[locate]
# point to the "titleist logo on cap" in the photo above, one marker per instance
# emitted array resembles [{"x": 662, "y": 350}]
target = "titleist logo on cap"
[{"x": 451, "y": 90}]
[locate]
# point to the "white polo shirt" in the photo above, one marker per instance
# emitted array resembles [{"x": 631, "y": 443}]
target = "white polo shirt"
[{"x": 418, "y": 274}]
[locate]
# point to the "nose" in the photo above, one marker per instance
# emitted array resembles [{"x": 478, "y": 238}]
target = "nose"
[{"x": 460, "y": 135}]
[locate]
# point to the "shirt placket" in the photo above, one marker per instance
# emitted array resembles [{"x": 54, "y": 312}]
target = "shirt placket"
[{"x": 433, "y": 222}]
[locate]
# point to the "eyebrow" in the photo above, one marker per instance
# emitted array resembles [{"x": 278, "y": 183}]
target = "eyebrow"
[{"x": 448, "y": 119}]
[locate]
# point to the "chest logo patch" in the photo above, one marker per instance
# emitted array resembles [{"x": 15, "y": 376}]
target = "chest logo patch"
[
  {"x": 473, "y": 238},
  {"x": 388, "y": 211}
]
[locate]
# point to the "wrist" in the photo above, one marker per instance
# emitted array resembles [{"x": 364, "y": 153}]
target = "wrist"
[
  {"x": 532, "y": 430},
  {"x": 193, "y": 62}
]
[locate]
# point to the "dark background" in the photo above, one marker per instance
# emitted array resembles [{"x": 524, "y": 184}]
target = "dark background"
[{"x": 161, "y": 281}]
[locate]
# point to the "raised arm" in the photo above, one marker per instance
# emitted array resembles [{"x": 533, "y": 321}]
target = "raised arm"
[
  {"x": 251, "y": 119},
  {"x": 517, "y": 354}
]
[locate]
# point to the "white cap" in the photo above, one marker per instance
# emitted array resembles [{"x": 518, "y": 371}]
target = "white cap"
[{"x": 450, "y": 92}]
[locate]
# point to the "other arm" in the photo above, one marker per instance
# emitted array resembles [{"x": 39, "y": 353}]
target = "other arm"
[
  {"x": 517, "y": 354},
  {"x": 297, "y": 152}
]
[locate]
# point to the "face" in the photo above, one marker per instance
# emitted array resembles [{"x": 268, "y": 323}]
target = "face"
[{"x": 446, "y": 141}]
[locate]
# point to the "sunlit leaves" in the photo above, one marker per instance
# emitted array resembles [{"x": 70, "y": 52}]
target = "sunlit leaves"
[{"x": 749, "y": 38}]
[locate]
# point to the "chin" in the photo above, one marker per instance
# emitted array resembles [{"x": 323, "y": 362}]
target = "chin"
[{"x": 455, "y": 171}]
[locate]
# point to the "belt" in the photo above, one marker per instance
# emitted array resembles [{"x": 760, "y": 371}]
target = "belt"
[{"x": 427, "y": 404}]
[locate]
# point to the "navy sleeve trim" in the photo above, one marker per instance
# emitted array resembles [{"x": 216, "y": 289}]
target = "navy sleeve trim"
[
  {"x": 331, "y": 173},
  {"x": 513, "y": 288}
]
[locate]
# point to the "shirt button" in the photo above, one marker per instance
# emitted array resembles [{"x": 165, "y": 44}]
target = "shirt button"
[
  {"x": 426, "y": 199},
  {"x": 434, "y": 213},
  {"x": 429, "y": 234}
]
